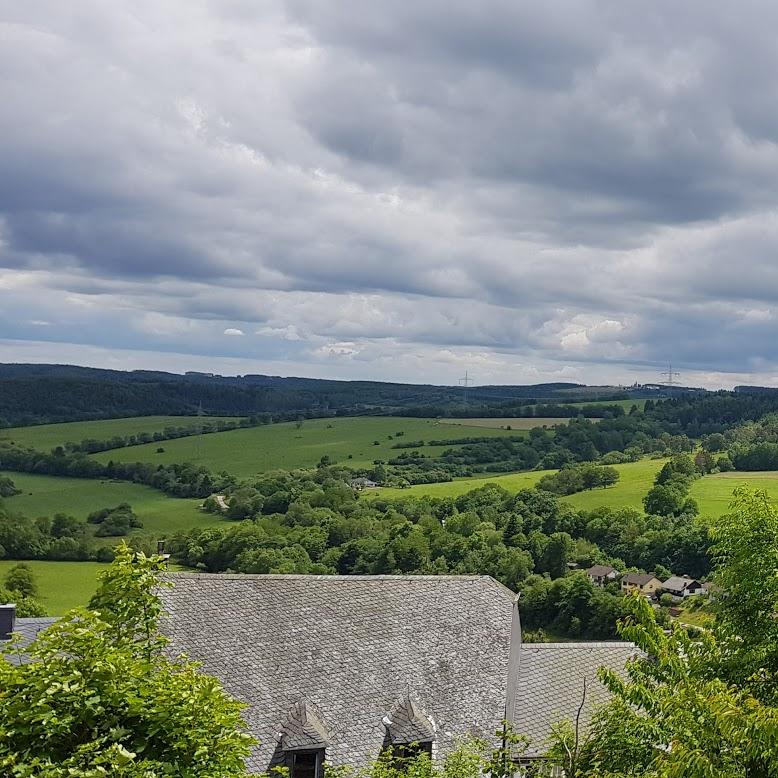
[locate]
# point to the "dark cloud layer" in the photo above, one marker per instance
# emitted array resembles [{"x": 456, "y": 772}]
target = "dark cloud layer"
[{"x": 579, "y": 190}]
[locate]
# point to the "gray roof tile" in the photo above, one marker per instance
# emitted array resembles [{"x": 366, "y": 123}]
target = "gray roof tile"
[
  {"x": 551, "y": 684},
  {"x": 352, "y": 645},
  {"x": 28, "y": 629}
]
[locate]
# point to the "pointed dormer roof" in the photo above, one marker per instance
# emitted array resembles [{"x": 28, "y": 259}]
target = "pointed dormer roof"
[
  {"x": 303, "y": 728},
  {"x": 407, "y": 722}
]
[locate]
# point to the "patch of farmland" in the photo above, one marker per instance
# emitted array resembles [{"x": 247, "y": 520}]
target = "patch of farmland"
[
  {"x": 44, "y": 495},
  {"x": 247, "y": 452},
  {"x": 44, "y": 437}
]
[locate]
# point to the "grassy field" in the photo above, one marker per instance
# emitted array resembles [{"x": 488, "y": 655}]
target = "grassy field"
[
  {"x": 44, "y": 495},
  {"x": 44, "y": 437},
  {"x": 61, "y": 585},
  {"x": 514, "y": 423},
  {"x": 247, "y": 452},
  {"x": 714, "y": 492},
  {"x": 636, "y": 478}
]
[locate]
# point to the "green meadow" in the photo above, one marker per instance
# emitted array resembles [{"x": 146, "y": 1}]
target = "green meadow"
[
  {"x": 44, "y": 495},
  {"x": 44, "y": 437},
  {"x": 61, "y": 585},
  {"x": 713, "y": 492},
  {"x": 291, "y": 445},
  {"x": 636, "y": 478}
]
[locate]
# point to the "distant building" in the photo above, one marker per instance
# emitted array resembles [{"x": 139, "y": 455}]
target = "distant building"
[
  {"x": 682, "y": 586},
  {"x": 358, "y": 484},
  {"x": 342, "y": 667},
  {"x": 600, "y": 575},
  {"x": 645, "y": 583}
]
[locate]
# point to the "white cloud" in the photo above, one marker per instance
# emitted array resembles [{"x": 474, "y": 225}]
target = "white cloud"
[{"x": 536, "y": 190}]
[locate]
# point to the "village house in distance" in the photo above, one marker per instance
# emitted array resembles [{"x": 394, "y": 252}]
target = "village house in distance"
[{"x": 338, "y": 668}]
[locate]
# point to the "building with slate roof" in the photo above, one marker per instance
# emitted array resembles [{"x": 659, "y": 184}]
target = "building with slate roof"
[
  {"x": 27, "y": 629},
  {"x": 558, "y": 681},
  {"x": 680, "y": 586},
  {"x": 342, "y": 667}
]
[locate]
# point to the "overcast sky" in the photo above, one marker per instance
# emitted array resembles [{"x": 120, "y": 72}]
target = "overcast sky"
[{"x": 396, "y": 190}]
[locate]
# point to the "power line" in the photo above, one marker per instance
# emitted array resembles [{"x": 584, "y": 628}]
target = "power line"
[
  {"x": 671, "y": 376},
  {"x": 466, "y": 381}
]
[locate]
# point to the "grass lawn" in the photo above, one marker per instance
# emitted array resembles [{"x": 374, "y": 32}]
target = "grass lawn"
[
  {"x": 514, "y": 423},
  {"x": 714, "y": 492},
  {"x": 246, "y": 452},
  {"x": 636, "y": 478},
  {"x": 44, "y": 495},
  {"x": 61, "y": 585},
  {"x": 44, "y": 437}
]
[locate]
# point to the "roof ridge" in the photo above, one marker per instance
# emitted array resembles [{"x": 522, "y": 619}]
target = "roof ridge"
[
  {"x": 581, "y": 644},
  {"x": 339, "y": 578}
]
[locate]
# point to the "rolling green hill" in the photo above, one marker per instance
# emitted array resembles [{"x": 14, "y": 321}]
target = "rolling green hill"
[
  {"x": 44, "y": 437},
  {"x": 636, "y": 478},
  {"x": 713, "y": 492},
  {"x": 246, "y": 452}
]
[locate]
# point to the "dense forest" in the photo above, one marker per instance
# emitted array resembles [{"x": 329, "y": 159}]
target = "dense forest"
[{"x": 34, "y": 394}]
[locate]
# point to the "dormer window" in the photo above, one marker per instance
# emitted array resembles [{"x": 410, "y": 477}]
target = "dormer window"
[
  {"x": 304, "y": 738},
  {"x": 305, "y": 764},
  {"x": 410, "y": 731}
]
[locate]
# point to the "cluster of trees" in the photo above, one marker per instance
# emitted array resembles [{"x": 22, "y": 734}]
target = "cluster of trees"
[
  {"x": 579, "y": 478},
  {"x": 670, "y": 494},
  {"x": 624, "y": 438},
  {"x": 62, "y": 538},
  {"x": 8, "y": 487},
  {"x": 178, "y": 480},
  {"x": 21, "y": 588},
  {"x": 114, "y": 522},
  {"x": 707, "y": 413},
  {"x": 313, "y": 522}
]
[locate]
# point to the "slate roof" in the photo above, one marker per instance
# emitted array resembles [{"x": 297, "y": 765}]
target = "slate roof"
[
  {"x": 600, "y": 571},
  {"x": 551, "y": 682},
  {"x": 678, "y": 583},
  {"x": 640, "y": 579},
  {"x": 352, "y": 646},
  {"x": 28, "y": 629}
]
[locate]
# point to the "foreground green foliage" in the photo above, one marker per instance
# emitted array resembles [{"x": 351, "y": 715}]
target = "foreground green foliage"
[
  {"x": 99, "y": 698},
  {"x": 702, "y": 707}
]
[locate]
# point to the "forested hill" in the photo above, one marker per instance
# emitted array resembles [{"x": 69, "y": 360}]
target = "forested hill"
[{"x": 31, "y": 394}]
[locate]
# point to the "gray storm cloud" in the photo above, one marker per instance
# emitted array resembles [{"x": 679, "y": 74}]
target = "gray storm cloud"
[{"x": 578, "y": 190}]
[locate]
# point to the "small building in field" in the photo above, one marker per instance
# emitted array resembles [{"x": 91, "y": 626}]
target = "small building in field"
[
  {"x": 644, "y": 583},
  {"x": 600, "y": 575},
  {"x": 680, "y": 586},
  {"x": 358, "y": 484}
]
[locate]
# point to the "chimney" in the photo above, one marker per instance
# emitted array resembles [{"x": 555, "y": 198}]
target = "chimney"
[{"x": 7, "y": 621}]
